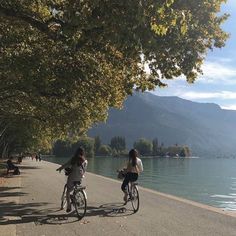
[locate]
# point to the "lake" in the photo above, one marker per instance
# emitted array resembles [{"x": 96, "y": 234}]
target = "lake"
[{"x": 208, "y": 181}]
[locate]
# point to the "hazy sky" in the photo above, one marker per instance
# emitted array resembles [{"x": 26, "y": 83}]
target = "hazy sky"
[{"x": 218, "y": 83}]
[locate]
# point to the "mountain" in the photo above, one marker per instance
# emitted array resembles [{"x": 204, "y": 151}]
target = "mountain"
[{"x": 204, "y": 127}]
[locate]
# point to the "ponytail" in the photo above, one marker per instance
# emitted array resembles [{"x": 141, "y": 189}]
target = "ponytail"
[{"x": 133, "y": 157}]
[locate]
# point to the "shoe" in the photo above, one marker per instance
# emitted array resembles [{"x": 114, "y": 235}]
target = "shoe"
[{"x": 125, "y": 197}]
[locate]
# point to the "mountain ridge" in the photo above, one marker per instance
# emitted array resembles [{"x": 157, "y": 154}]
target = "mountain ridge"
[{"x": 204, "y": 127}]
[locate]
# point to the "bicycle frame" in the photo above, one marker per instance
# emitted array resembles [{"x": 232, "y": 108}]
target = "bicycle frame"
[{"x": 78, "y": 199}]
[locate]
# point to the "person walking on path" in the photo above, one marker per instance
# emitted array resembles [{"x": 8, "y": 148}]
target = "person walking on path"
[
  {"x": 77, "y": 166},
  {"x": 133, "y": 169}
]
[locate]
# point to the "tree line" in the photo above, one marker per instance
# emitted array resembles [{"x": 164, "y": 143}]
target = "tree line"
[{"x": 117, "y": 147}]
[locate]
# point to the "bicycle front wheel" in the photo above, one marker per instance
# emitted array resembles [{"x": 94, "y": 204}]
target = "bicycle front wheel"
[
  {"x": 80, "y": 203},
  {"x": 63, "y": 198},
  {"x": 135, "y": 198}
]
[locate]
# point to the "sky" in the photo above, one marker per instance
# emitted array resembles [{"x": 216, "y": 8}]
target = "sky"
[{"x": 218, "y": 82}]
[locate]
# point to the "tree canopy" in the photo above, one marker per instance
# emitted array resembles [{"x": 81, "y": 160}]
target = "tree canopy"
[{"x": 65, "y": 62}]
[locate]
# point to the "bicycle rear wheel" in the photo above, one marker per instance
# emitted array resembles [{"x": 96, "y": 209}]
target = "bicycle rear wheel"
[
  {"x": 63, "y": 198},
  {"x": 135, "y": 198},
  {"x": 80, "y": 203}
]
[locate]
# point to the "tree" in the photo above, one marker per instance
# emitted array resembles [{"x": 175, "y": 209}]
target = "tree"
[
  {"x": 143, "y": 146},
  {"x": 23, "y": 135},
  {"x": 97, "y": 144},
  {"x": 64, "y": 63},
  {"x": 87, "y": 143},
  {"x": 67, "y": 148},
  {"x": 118, "y": 143},
  {"x": 185, "y": 152},
  {"x": 155, "y": 148},
  {"x": 105, "y": 150},
  {"x": 62, "y": 148}
]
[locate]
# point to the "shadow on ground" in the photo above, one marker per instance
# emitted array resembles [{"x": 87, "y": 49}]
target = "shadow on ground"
[
  {"x": 22, "y": 167},
  {"x": 111, "y": 210},
  {"x": 106, "y": 210},
  {"x": 12, "y": 213},
  {"x": 10, "y": 192}
]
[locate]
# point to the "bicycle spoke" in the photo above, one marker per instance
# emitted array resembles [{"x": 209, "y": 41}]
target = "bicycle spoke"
[
  {"x": 63, "y": 198},
  {"x": 135, "y": 198},
  {"x": 80, "y": 203}
]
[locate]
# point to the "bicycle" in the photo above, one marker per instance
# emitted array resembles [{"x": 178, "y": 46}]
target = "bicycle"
[
  {"x": 78, "y": 199},
  {"x": 132, "y": 188},
  {"x": 133, "y": 195}
]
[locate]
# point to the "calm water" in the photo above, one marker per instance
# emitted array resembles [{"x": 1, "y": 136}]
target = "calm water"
[{"x": 209, "y": 181}]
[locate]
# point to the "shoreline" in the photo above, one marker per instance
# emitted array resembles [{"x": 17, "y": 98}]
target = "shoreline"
[
  {"x": 173, "y": 194},
  {"x": 173, "y": 197}
]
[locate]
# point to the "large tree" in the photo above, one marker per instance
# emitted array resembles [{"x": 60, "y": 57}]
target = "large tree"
[{"x": 63, "y": 63}]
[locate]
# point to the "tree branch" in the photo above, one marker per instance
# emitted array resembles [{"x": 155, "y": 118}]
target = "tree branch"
[{"x": 35, "y": 23}]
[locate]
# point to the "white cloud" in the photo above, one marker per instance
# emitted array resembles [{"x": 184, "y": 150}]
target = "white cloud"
[
  {"x": 231, "y": 4},
  {"x": 208, "y": 95},
  {"x": 229, "y": 107},
  {"x": 215, "y": 72}
]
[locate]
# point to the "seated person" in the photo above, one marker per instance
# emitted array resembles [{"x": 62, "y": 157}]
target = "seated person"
[{"x": 11, "y": 166}]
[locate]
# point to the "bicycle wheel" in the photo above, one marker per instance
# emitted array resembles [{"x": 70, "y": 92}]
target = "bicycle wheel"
[
  {"x": 63, "y": 198},
  {"x": 80, "y": 203},
  {"x": 135, "y": 198}
]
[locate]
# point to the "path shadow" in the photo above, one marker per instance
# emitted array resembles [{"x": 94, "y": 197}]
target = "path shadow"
[
  {"x": 105, "y": 210},
  {"x": 109, "y": 210},
  {"x": 28, "y": 167},
  {"x": 12, "y": 213},
  {"x": 8, "y": 192},
  {"x": 30, "y": 213},
  {"x": 58, "y": 219},
  {"x": 4, "y": 188}
]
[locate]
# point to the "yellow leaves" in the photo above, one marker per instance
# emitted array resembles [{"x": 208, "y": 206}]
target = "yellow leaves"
[
  {"x": 169, "y": 2},
  {"x": 41, "y": 9},
  {"x": 168, "y": 19},
  {"x": 159, "y": 29},
  {"x": 183, "y": 28},
  {"x": 70, "y": 82}
]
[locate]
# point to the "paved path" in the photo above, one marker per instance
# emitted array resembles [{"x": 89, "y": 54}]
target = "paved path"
[{"x": 30, "y": 207}]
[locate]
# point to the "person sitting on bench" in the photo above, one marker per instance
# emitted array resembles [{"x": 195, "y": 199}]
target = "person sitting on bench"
[{"x": 11, "y": 166}]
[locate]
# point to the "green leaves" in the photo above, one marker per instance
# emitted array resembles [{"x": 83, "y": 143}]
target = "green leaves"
[{"x": 64, "y": 63}]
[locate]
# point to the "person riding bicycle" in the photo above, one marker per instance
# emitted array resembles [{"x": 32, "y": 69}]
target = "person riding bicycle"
[
  {"x": 132, "y": 171},
  {"x": 77, "y": 165}
]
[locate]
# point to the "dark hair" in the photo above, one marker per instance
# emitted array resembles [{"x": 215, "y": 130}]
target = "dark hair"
[
  {"x": 133, "y": 154},
  {"x": 78, "y": 157}
]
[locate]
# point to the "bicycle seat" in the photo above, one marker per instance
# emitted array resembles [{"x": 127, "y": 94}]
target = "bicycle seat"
[{"x": 77, "y": 182}]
